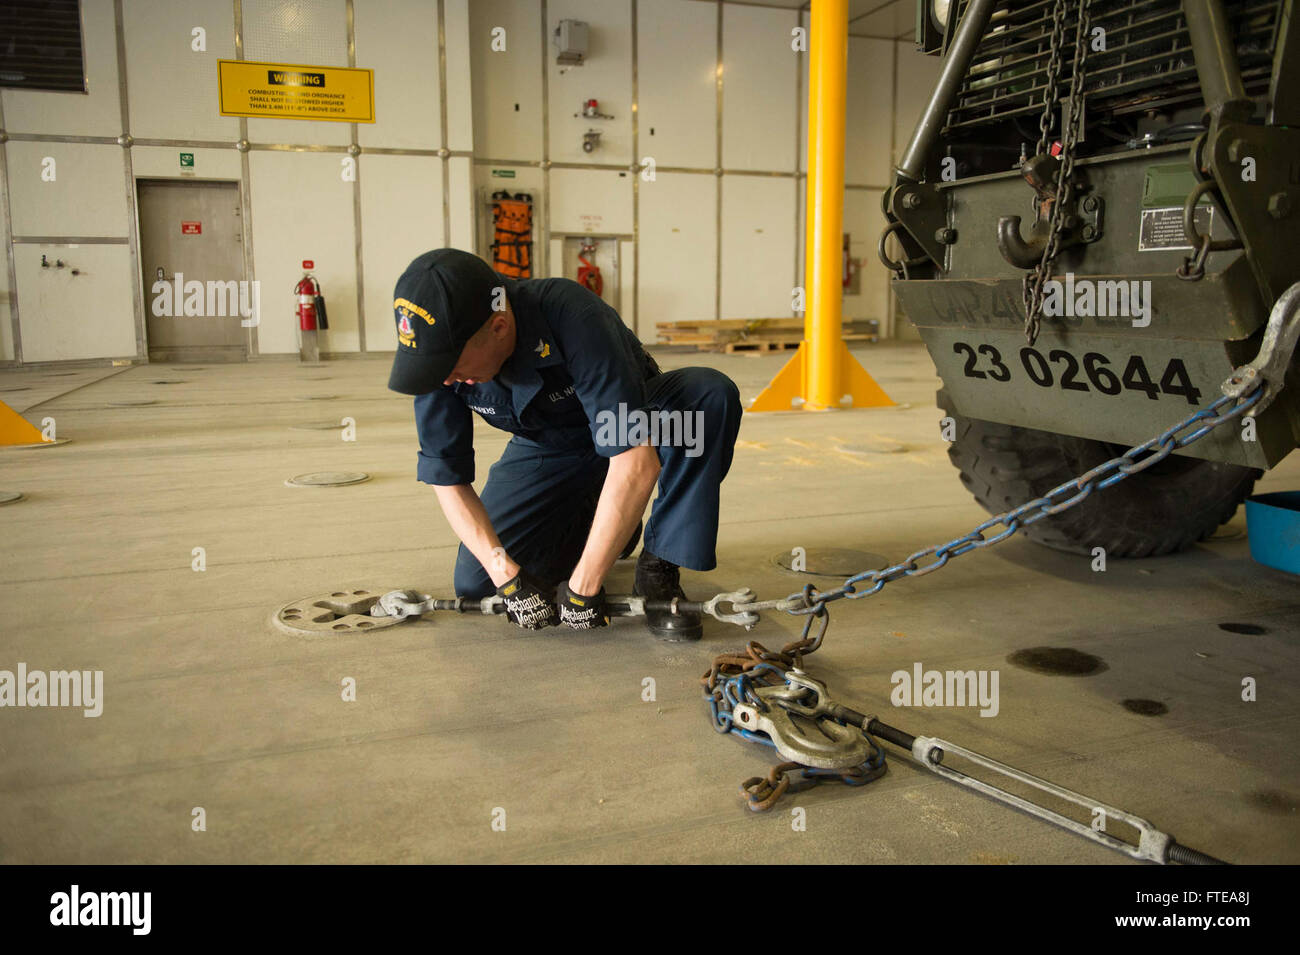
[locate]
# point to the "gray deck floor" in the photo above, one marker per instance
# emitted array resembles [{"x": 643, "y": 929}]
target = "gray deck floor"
[{"x": 207, "y": 705}]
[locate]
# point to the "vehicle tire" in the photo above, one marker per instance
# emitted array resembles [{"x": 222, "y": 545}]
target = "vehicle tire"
[{"x": 1166, "y": 508}]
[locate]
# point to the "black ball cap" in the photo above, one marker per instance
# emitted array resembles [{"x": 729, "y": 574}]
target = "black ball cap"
[{"x": 441, "y": 300}]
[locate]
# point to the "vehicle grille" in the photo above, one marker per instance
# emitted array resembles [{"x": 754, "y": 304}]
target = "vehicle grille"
[{"x": 1147, "y": 63}]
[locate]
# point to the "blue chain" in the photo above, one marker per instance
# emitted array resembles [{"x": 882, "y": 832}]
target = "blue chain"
[{"x": 1055, "y": 501}]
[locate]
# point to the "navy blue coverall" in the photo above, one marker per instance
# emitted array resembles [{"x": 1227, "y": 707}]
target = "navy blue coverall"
[{"x": 574, "y": 359}]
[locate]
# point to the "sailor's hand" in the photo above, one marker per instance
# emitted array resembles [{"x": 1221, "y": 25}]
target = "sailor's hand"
[
  {"x": 580, "y": 612},
  {"x": 528, "y": 604}
]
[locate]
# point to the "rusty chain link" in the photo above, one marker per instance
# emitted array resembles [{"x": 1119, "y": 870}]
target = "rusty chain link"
[{"x": 733, "y": 678}]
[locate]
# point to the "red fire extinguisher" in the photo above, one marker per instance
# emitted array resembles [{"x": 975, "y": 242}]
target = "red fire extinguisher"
[{"x": 308, "y": 291}]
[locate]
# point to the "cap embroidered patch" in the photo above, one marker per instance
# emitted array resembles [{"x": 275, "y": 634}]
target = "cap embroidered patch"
[{"x": 406, "y": 334}]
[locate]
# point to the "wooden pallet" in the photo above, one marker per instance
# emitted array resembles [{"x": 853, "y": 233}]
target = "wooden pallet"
[
  {"x": 761, "y": 346},
  {"x": 764, "y": 346}
]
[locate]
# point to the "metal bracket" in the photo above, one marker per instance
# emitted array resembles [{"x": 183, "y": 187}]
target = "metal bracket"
[
  {"x": 922, "y": 210},
  {"x": 1262, "y": 207},
  {"x": 1082, "y": 222}
]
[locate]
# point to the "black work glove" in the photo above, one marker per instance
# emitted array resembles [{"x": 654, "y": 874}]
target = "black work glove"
[
  {"x": 528, "y": 604},
  {"x": 579, "y": 612}
]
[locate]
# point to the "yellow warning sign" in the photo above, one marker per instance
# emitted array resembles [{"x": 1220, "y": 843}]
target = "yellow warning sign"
[{"x": 286, "y": 91}]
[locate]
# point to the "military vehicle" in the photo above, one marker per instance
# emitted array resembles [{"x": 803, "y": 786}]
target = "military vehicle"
[{"x": 1096, "y": 216}]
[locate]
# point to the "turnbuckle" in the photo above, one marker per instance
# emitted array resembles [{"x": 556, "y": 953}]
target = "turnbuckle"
[
  {"x": 806, "y": 697},
  {"x": 1153, "y": 845},
  {"x": 735, "y": 607}
]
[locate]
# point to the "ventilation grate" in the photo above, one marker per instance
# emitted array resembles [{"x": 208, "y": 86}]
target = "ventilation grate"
[{"x": 40, "y": 45}]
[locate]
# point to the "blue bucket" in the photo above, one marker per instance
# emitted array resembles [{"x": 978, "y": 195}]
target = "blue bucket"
[{"x": 1273, "y": 524}]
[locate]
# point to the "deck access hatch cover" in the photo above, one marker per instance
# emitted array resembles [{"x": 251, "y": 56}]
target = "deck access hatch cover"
[{"x": 327, "y": 479}]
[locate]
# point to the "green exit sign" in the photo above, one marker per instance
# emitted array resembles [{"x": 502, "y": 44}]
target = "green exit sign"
[
  {"x": 187, "y": 160},
  {"x": 503, "y": 173}
]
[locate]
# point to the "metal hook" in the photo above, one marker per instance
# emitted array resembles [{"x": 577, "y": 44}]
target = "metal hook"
[{"x": 1016, "y": 250}]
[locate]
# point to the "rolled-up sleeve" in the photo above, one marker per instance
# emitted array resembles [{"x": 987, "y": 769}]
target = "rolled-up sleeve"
[
  {"x": 608, "y": 378},
  {"x": 446, "y": 429}
]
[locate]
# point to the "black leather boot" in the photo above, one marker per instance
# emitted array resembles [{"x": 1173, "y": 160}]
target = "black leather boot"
[{"x": 657, "y": 579}]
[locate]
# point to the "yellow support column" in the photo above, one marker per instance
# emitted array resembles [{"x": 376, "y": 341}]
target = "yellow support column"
[{"x": 823, "y": 374}]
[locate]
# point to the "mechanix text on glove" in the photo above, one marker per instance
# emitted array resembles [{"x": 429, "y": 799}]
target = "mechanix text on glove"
[
  {"x": 580, "y": 612},
  {"x": 528, "y": 605}
]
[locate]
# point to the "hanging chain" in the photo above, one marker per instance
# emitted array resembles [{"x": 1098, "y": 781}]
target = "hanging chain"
[
  {"x": 1053, "y": 75},
  {"x": 1034, "y": 284}
]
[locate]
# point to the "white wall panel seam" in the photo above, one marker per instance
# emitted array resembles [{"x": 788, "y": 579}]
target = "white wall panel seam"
[
  {"x": 133, "y": 213},
  {"x": 355, "y": 151},
  {"x": 289, "y": 147},
  {"x": 246, "y": 188},
  {"x": 544, "y": 241},
  {"x": 57, "y": 138},
  {"x": 6, "y": 231},
  {"x": 70, "y": 240},
  {"x": 890, "y": 331},
  {"x": 284, "y": 147},
  {"x": 195, "y": 143},
  {"x": 442, "y": 121}
]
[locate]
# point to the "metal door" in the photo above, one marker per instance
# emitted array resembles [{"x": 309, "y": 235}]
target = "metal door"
[{"x": 192, "y": 260}]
